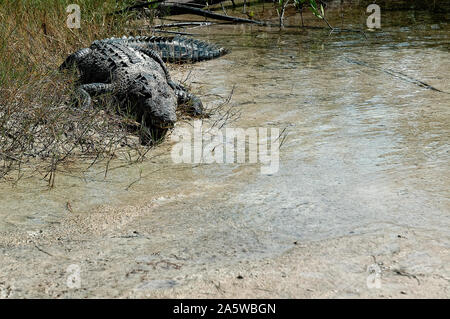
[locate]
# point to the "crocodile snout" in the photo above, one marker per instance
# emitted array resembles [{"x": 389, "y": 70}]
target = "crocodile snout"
[
  {"x": 163, "y": 123},
  {"x": 161, "y": 113}
]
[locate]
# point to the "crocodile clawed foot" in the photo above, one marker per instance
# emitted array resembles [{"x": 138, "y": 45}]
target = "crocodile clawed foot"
[
  {"x": 192, "y": 105},
  {"x": 196, "y": 106},
  {"x": 80, "y": 100}
]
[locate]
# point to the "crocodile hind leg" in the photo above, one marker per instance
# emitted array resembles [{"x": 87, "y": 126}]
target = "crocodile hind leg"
[
  {"x": 85, "y": 91},
  {"x": 75, "y": 58}
]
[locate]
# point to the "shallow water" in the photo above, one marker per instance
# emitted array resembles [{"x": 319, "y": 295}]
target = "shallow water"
[{"x": 364, "y": 149}]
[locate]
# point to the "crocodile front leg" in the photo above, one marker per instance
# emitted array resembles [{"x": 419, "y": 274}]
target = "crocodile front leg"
[
  {"x": 86, "y": 90},
  {"x": 193, "y": 102}
]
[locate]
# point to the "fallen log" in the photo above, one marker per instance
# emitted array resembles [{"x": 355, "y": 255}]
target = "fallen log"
[
  {"x": 177, "y": 8},
  {"x": 193, "y": 3}
]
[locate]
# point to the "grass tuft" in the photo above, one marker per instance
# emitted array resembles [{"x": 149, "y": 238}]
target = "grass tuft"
[{"x": 37, "y": 116}]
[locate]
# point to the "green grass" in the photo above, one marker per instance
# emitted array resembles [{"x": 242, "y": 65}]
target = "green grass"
[{"x": 37, "y": 117}]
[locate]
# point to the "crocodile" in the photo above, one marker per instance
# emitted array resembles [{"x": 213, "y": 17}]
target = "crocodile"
[{"x": 133, "y": 70}]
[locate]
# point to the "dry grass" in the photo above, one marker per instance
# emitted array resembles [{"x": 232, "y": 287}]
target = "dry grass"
[{"x": 37, "y": 117}]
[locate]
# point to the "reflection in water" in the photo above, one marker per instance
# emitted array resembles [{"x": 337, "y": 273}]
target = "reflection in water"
[{"x": 364, "y": 148}]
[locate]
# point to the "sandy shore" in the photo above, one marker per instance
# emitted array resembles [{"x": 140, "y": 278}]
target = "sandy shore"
[{"x": 110, "y": 251}]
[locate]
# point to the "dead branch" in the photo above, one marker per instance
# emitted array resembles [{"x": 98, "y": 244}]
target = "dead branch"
[
  {"x": 180, "y": 8},
  {"x": 181, "y": 24}
]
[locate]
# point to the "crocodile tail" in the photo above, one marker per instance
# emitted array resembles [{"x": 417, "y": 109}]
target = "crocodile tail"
[
  {"x": 175, "y": 49},
  {"x": 182, "y": 49}
]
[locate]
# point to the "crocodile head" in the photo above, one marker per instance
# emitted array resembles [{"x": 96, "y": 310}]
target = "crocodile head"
[
  {"x": 159, "y": 117},
  {"x": 153, "y": 100},
  {"x": 159, "y": 109}
]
